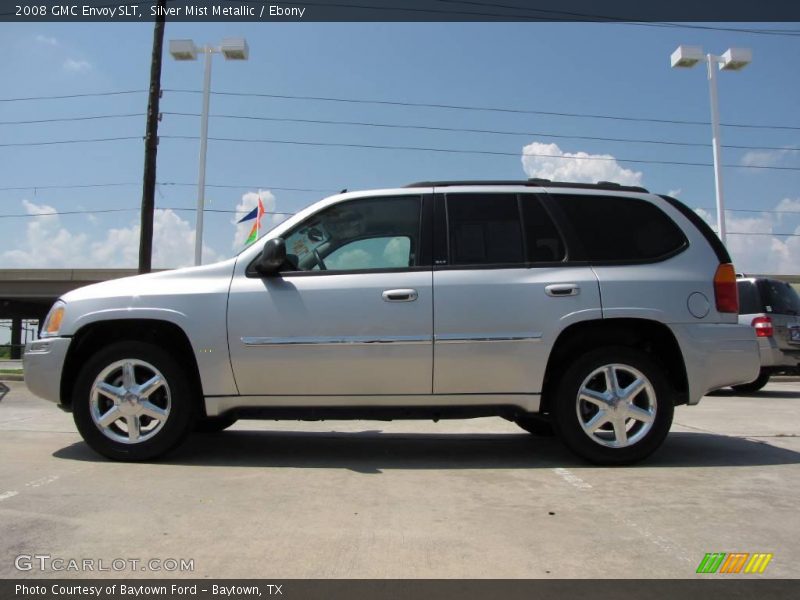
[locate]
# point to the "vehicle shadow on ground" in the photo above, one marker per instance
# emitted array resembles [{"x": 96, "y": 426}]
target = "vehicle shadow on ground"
[
  {"x": 727, "y": 392},
  {"x": 373, "y": 451}
]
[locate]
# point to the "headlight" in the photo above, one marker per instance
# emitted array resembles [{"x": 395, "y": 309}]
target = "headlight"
[{"x": 52, "y": 323}]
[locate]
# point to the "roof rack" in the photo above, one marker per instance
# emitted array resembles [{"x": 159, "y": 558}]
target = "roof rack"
[{"x": 536, "y": 182}]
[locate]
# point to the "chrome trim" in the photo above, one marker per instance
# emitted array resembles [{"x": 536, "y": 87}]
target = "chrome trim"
[
  {"x": 462, "y": 338},
  {"x": 562, "y": 290},
  {"x": 335, "y": 340},
  {"x": 404, "y": 295}
]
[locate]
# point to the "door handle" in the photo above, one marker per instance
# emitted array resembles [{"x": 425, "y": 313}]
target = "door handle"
[
  {"x": 562, "y": 289},
  {"x": 399, "y": 295}
]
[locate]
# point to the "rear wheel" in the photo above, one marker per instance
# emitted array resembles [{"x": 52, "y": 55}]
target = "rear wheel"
[
  {"x": 753, "y": 386},
  {"x": 132, "y": 401},
  {"x": 614, "y": 406}
]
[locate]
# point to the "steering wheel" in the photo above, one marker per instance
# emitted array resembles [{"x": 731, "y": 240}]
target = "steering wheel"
[{"x": 320, "y": 262}]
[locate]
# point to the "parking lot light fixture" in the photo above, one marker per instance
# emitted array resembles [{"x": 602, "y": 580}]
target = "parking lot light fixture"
[
  {"x": 733, "y": 59},
  {"x": 185, "y": 50}
]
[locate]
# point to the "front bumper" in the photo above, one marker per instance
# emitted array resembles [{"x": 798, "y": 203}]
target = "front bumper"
[
  {"x": 43, "y": 363},
  {"x": 717, "y": 355}
]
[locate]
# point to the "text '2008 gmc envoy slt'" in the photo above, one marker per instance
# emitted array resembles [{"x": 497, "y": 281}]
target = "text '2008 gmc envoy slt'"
[{"x": 591, "y": 309}]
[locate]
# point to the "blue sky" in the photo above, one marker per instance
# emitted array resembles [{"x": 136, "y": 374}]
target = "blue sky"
[{"x": 597, "y": 69}]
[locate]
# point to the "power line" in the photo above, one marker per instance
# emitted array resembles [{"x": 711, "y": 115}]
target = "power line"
[
  {"x": 250, "y": 187},
  {"x": 67, "y": 96},
  {"x": 486, "y": 131},
  {"x": 85, "y": 141},
  {"x": 67, "y": 119},
  {"x": 67, "y": 186},
  {"x": 762, "y": 233},
  {"x": 117, "y": 210},
  {"x": 480, "y": 108},
  {"x": 407, "y": 148},
  {"x": 478, "y": 152},
  {"x": 753, "y": 210},
  {"x": 110, "y": 210},
  {"x": 268, "y": 187},
  {"x": 410, "y": 104},
  {"x": 165, "y": 183},
  {"x": 405, "y": 126}
]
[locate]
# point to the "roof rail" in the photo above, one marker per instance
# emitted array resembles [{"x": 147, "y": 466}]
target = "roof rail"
[{"x": 534, "y": 182}]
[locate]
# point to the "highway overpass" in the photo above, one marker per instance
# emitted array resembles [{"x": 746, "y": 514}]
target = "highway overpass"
[{"x": 29, "y": 293}]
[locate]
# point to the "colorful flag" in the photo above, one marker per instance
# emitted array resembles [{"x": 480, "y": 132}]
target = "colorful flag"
[
  {"x": 256, "y": 214},
  {"x": 251, "y": 215}
]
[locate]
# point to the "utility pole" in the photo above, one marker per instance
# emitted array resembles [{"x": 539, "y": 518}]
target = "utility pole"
[{"x": 151, "y": 146}]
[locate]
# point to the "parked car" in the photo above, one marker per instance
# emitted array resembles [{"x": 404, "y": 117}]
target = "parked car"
[
  {"x": 771, "y": 307},
  {"x": 594, "y": 308}
]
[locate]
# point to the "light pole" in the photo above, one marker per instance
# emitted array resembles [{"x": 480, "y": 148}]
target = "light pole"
[
  {"x": 231, "y": 49},
  {"x": 734, "y": 59}
]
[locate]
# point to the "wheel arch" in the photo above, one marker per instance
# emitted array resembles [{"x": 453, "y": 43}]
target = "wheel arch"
[
  {"x": 653, "y": 337},
  {"x": 94, "y": 336}
]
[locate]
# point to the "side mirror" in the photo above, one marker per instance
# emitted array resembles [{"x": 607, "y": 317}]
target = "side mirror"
[{"x": 272, "y": 257}]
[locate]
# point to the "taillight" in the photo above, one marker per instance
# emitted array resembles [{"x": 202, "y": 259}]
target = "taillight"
[
  {"x": 725, "y": 292},
  {"x": 763, "y": 326}
]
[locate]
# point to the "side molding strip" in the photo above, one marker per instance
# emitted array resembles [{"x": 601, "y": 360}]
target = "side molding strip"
[
  {"x": 335, "y": 340},
  {"x": 446, "y": 338}
]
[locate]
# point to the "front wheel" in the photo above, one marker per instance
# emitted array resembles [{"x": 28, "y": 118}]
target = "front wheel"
[
  {"x": 614, "y": 406},
  {"x": 132, "y": 401}
]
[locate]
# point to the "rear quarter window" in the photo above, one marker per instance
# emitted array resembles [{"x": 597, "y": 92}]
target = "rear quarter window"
[{"x": 617, "y": 229}]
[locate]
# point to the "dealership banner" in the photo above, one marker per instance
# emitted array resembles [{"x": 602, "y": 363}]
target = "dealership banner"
[
  {"x": 410, "y": 589},
  {"x": 608, "y": 11}
]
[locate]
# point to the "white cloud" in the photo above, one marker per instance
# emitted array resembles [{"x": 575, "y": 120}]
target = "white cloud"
[
  {"x": 765, "y": 252},
  {"x": 675, "y": 193},
  {"x": 786, "y": 207},
  {"x": 548, "y": 161},
  {"x": 249, "y": 202},
  {"x": 46, "y": 40},
  {"x": 764, "y": 158},
  {"x": 77, "y": 66},
  {"x": 48, "y": 244}
]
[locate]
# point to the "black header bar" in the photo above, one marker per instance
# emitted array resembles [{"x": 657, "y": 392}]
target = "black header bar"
[{"x": 608, "y": 11}]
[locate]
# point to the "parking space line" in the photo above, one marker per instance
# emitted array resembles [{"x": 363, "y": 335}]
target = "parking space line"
[
  {"x": 572, "y": 479},
  {"x": 7, "y": 495}
]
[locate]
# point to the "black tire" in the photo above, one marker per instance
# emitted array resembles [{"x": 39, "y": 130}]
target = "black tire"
[
  {"x": 753, "y": 386},
  {"x": 538, "y": 426},
  {"x": 597, "y": 447},
  {"x": 177, "y": 396},
  {"x": 213, "y": 424}
]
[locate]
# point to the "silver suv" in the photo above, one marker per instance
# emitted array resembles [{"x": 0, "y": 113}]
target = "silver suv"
[
  {"x": 591, "y": 309},
  {"x": 771, "y": 307}
]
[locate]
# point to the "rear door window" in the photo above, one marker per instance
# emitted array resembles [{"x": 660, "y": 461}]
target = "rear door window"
[{"x": 501, "y": 229}]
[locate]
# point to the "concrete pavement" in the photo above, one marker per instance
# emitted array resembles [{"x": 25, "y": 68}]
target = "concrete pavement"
[{"x": 459, "y": 499}]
